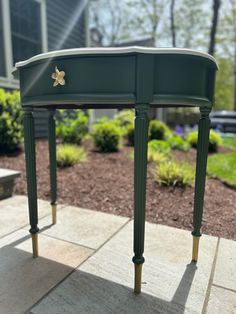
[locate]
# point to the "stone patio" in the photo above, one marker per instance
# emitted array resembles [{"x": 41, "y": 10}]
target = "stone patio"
[{"x": 85, "y": 266}]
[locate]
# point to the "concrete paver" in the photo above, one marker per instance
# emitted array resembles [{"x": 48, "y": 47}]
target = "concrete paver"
[
  {"x": 24, "y": 280},
  {"x": 14, "y": 213},
  {"x": 171, "y": 283},
  {"x": 221, "y": 301},
  {"x": 83, "y": 227},
  {"x": 103, "y": 283},
  {"x": 225, "y": 270}
]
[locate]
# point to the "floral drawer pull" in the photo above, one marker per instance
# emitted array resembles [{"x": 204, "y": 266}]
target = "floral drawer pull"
[{"x": 58, "y": 76}]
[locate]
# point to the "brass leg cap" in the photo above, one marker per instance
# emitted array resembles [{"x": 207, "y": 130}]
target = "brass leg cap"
[
  {"x": 137, "y": 278},
  {"x": 195, "y": 248},
  {"x": 54, "y": 214},
  {"x": 35, "y": 244}
]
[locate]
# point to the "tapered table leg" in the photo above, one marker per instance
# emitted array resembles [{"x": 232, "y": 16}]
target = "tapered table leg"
[
  {"x": 202, "y": 152},
  {"x": 29, "y": 139},
  {"x": 53, "y": 163},
  {"x": 140, "y": 174}
]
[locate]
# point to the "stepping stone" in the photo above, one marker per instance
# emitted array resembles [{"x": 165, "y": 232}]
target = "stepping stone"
[{"x": 7, "y": 182}]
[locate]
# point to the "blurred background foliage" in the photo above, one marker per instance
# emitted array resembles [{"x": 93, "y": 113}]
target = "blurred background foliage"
[{"x": 207, "y": 25}]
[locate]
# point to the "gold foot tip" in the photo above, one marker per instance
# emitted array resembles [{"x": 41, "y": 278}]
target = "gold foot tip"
[
  {"x": 35, "y": 244},
  {"x": 137, "y": 280},
  {"x": 195, "y": 249},
  {"x": 54, "y": 214}
]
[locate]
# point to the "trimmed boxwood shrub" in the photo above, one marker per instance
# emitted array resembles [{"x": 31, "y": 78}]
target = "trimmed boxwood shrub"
[
  {"x": 72, "y": 126},
  {"x": 125, "y": 117},
  {"x": 130, "y": 134},
  {"x": 159, "y": 146},
  {"x": 11, "y": 121},
  {"x": 158, "y": 130},
  {"x": 177, "y": 142},
  {"x": 214, "y": 140},
  {"x": 107, "y": 136}
]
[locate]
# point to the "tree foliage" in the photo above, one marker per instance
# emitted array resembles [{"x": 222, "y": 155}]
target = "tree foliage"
[
  {"x": 224, "y": 86},
  {"x": 226, "y": 47},
  {"x": 198, "y": 24}
]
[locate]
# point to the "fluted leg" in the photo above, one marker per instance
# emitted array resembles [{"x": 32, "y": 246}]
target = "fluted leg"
[
  {"x": 140, "y": 174},
  {"x": 53, "y": 163},
  {"x": 202, "y": 152},
  {"x": 29, "y": 139}
]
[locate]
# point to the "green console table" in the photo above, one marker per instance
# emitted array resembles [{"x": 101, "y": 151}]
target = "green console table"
[{"x": 132, "y": 77}]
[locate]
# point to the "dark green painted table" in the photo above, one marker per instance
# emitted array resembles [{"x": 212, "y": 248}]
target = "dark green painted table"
[{"x": 132, "y": 77}]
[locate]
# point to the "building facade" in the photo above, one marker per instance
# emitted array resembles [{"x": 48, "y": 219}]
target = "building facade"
[{"x": 30, "y": 27}]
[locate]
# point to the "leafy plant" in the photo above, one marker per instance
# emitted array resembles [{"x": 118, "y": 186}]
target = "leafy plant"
[
  {"x": 177, "y": 142},
  {"x": 11, "y": 127},
  {"x": 159, "y": 146},
  {"x": 158, "y": 151},
  {"x": 157, "y": 157},
  {"x": 214, "y": 140},
  {"x": 130, "y": 134},
  {"x": 171, "y": 173},
  {"x": 107, "y": 137},
  {"x": 72, "y": 126},
  {"x": 158, "y": 130},
  {"x": 125, "y": 121},
  {"x": 125, "y": 117},
  {"x": 69, "y": 155}
]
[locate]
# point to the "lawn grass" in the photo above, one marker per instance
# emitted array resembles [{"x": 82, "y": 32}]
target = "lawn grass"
[
  {"x": 229, "y": 142},
  {"x": 223, "y": 167}
]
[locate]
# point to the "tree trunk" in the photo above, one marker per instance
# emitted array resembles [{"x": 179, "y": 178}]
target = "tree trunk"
[
  {"x": 172, "y": 23},
  {"x": 215, "y": 7}
]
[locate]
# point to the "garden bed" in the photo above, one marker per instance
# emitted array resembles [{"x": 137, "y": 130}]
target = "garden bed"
[{"x": 105, "y": 183}]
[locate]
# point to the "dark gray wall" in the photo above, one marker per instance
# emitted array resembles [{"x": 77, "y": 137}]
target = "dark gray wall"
[
  {"x": 66, "y": 29},
  {"x": 65, "y": 23}
]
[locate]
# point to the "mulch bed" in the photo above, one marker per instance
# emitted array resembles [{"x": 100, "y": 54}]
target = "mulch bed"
[{"x": 105, "y": 183}]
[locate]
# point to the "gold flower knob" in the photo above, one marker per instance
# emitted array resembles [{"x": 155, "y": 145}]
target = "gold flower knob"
[{"x": 58, "y": 76}]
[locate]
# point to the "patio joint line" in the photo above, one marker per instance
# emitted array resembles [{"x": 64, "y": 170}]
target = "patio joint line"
[
  {"x": 24, "y": 226},
  {"x": 115, "y": 233},
  {"x": 70, "y": 242},
  {"x": 225, "y": 288},
  {"x": 76, "y": 268},
  {"x": 210, "y": 282},
  {"x": 112, "y": 236}
]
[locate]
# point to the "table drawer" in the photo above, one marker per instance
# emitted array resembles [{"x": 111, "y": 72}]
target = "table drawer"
[{"x": 83, "y": 75}]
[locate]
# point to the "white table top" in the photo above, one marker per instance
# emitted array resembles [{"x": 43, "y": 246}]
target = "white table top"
[{"x": 110, "y": 50}]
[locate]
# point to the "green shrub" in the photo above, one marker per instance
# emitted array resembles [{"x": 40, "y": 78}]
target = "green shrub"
[
  {"x": 158, "y": 151},
  {"x": 130, "y": 134},
  {"x": 72, "y": 126},
  {"x": 214, "y": 140},
  {"x": 107, "y": 137},
  {"x": 125, "y": 121},
  {"x": 157, "y": 157},
  {"x": 11, "y": 126},
  {"x": 177, "y": 142},
  {"x": 125, "y": 117},
  {"x": 171, "y": 173},
  {"x": 158, "y": 130},
  {"x": 69, "y": 155},
  {"x": 159, "y": 146}
]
